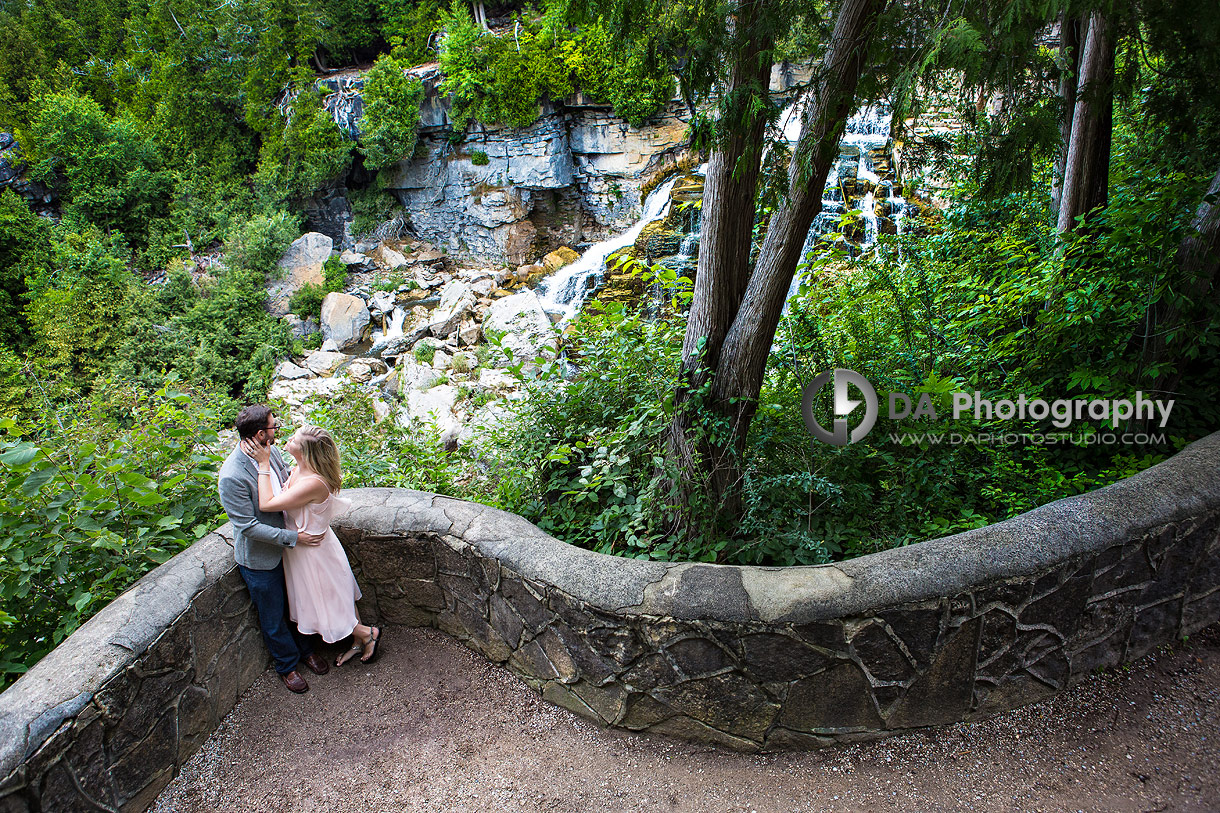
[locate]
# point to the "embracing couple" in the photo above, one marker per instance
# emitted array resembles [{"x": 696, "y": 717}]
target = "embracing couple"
[{"x": 297, "y": 572}]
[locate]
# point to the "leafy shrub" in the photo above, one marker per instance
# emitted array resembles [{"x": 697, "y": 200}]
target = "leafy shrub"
[
  {"x": 88, "y": 509},
  {"x": 306, "y": 153},
  {"x": 111, "y": 175},
  {"x": 258, "y": 243},
  {"x": 500, "y": 80},
  {"x": 408, "y": 26},
  {"x": 24, "y": 252},
  {"x": 307, "y": 300},
  {"x": 424, "y": 353},
  {"x": 386, "y": 453},
  {"x": 479, "y": 158},
  {"x": 391, "y": 113},
  {"x": 371, "y": 207}
]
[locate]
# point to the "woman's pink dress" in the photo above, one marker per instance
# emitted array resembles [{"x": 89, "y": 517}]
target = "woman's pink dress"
[{"x": 322, "y": 591}]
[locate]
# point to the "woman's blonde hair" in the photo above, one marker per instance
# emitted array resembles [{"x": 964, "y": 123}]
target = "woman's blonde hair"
[{"x": 320, "y": 453}]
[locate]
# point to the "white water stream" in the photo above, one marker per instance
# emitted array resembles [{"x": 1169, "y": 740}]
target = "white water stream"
[{"x": 565, "y": 291}]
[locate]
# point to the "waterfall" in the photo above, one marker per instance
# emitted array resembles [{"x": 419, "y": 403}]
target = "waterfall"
[{"x": 565, "y": 290}]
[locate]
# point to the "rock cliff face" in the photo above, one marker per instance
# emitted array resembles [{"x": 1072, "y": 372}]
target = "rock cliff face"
[{"x": 573, "y": 176}]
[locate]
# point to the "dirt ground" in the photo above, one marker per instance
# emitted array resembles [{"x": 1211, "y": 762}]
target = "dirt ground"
[{"x": 432, "y": 726}]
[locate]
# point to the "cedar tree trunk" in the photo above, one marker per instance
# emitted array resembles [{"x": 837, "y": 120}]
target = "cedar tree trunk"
[{"x": 1086, "y": 170}]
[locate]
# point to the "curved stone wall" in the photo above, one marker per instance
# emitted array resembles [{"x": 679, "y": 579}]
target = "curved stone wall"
[{"x": 751, "y": 658}]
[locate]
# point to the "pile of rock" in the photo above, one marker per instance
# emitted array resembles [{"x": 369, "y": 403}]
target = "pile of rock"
[{"x": 433, "y": 341}]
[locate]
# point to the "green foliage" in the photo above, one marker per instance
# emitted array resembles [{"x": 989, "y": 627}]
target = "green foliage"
[
  {"x": 370, "y": 208},
  {"x": 307, "y": 301},
  {"x": 479, "y": 158},
  {"x": 424, "y": 353},
  {"x": 583, "y": 458},
  {"x": 500, "y": 79},
  {"x": 258, "y": 243},
  {"x": 309, "y": 152},
  {"x": 110, "y": 174},
  {"x": 409, "y": 25},
  {"x": 78, "y": 310},
  {"x": 391, "y": 113},
  {"x": 625, "y": 80},
  {"x": 216, "y": 334},
  {"x": 25, "y": 250},
  {"x": 385, "y": 453},
  {"x": 126, "y": 482}
]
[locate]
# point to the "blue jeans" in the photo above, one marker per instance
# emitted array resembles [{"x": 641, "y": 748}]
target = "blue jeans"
[{"x": 270, "y": 598}]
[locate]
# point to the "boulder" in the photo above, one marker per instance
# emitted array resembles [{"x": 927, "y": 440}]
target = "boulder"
[
  {"x": 397, "y": 345},
  {"x": 381, "y": 302},
  {"x": 296, "y": 393},
  {"x": 364, "y": 369},
  {"x": 324, "y": 362},
  {"x": 344, "y": 319},
  {"x": 496, "y": 379},
  {"x": 301, "y": 327},
  {"x": 433, "y": 405},
  {"x": 301, "y": 263},
  {"x": 287, "y": 371},
  {"x": 407, "y": 376},
  {"x": 483, "y": 287},
  {"x": 457, "y": 302},
  {"x": 522, "y": 326},
  {"x": 390, "y": 258},
  {"x": 469, "y": 332},
  {"x": 559, "y": 258}
]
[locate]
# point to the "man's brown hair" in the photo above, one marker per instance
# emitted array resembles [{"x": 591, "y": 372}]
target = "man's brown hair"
[{"x": 251, "y": 419}]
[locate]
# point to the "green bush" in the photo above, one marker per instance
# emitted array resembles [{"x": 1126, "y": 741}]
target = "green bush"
[
  {"x": 110, "y": 174},
  {"x": 385, "y": 453},
  {"x": 479, "y": 158},
  {"x": 424, "y": 353},
  {"x": 408, "y": 26},
  {"x": 500, "y": 80},
  {"x": 89, "y": 508},
  {"x": 258, "y": 243},
  {"x": 371, "y": 207},
  {"x": 391, "y": 113},
  {"x": 25, "y": 251},
  {"x": 308, "y": 152}
]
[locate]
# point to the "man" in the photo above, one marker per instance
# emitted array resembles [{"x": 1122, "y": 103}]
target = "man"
[{"x": 259, "y": 539}]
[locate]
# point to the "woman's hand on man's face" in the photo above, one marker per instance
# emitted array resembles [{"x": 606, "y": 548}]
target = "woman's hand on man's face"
[{"x": 260, "y": 453}]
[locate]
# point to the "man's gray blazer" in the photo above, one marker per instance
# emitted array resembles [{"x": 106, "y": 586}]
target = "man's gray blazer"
[{"x": 259, "y": 537}]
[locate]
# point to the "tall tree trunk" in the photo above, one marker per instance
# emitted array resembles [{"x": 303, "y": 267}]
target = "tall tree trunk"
[
  {"x": 743, "y": 361},
  {"x": 728, "y": 222},
  {"x": 1070, "y": 27},
  {"x": 1198, "y": 259},
  {"x": 1086, "y": 171},
  {"x": 738, "y": 365}
]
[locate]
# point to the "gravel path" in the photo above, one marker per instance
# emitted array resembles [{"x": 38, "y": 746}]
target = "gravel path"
[{"x": 432, "y": 726}]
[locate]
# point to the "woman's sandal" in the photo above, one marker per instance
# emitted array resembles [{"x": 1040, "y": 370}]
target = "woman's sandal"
[
  {"x": 373, "y": 641},
  {"x": 347, "y": 656}
]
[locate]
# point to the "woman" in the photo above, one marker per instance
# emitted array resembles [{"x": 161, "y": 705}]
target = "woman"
[{"x": 322, "y": 591}]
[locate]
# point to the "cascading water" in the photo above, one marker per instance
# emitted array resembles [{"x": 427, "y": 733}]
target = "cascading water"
[
  {"x": 565, "y": 291},
  {"x": 866, "y": 133}
]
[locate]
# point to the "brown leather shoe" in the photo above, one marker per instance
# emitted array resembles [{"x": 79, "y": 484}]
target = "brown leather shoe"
[
  {"x": 295, "y": 682},
  {"x": 316, "y": 664}
]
